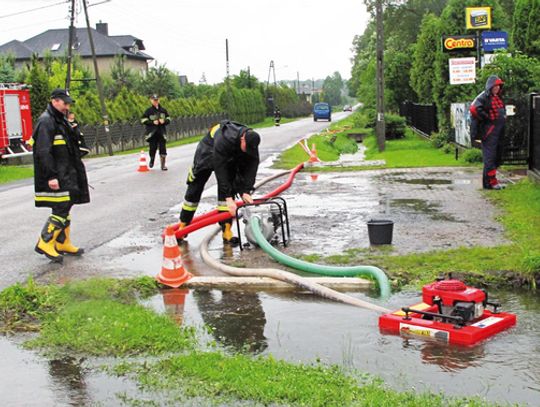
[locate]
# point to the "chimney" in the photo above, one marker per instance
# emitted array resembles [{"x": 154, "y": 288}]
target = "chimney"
[{"x": 102, "y": 28}]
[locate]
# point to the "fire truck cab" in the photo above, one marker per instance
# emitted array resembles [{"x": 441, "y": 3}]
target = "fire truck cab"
[{"x": 15, "y": 120}]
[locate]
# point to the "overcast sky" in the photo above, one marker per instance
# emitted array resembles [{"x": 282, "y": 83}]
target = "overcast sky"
[{"x": 313, "y": 37}]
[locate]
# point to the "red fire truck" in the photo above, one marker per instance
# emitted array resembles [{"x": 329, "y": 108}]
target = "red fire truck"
[{"x": 15, "y": 120}]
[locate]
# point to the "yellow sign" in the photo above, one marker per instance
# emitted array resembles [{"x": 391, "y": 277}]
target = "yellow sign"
[{"x": 478, "y": 18}]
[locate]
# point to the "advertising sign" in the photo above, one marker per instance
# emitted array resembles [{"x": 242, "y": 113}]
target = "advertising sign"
[
  {"x": 462, "y": 70},
  {"x": 478, "y": 18},
  {"x": 492, "y": 40},
  {"x": 461, "y": 121},
  {"x": 454, "y": 43}
]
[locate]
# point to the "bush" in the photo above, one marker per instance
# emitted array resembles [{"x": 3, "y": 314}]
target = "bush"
[
  {"x": 448, "y": 148},
  {"x": 473, "y": 155},
  {"x": 395, "y": 126}
]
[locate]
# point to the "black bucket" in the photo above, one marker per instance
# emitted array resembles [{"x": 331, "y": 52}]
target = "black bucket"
[{"x": 380, "y": 231}]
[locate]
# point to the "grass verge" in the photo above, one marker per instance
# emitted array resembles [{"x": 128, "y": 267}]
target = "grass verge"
[
  {"x": 409, "y": 152},
  {"x": 101, "y": 317},
  {"x": 329, "y": 144},
  {"x": 515, "y": 264},
  {"x": 9, "y": 173}
]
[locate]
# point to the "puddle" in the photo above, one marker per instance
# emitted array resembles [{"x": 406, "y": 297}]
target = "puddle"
[
  {"x": 31, "y": 380},
  {"x": 302, "y": 328}
]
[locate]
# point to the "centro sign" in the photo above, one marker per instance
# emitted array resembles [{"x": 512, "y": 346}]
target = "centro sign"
[{"x": 455, "y": 43}]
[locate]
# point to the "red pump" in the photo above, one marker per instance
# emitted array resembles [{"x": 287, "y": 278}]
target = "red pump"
[{"x": 450, "y": 311}]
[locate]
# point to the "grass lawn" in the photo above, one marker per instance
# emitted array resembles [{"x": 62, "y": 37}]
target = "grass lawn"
[
  {"x": 520, "y": 204},
  {"x": 10, "y": 173},
  {"x": 411, "y": 151},
  {"x": 102, "y": 317}
]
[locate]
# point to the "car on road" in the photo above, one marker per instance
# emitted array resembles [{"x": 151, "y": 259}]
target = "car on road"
[
  {"x": 322, "y": 110},
  {"x": 347, "y": 108}
]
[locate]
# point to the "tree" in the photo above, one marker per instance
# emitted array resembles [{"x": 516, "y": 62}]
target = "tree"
[
  {"x": 7, "y": 68},
  {"x": 425, "y": 50},
  {"x": 244, "y": 80},
  {"x": 40, "y": 92},
  {"x": 332, "y": 88},
  {"x": 160, "y": 80},
  {"x": 525, "y": 27}
]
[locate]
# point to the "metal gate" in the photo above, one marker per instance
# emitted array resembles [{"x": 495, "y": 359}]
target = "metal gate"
[{"x": 515, "y": 144}]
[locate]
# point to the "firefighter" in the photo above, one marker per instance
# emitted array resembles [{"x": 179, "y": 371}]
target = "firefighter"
[
  {"x": 156, "y": 118},
  {"x": 231, "y": 150},
  {"x": 83, "y": 148},
  {"x": 59, "y": 176},
  {"x": 277, "y": 116},
  {"x": 488, "y": 118}
]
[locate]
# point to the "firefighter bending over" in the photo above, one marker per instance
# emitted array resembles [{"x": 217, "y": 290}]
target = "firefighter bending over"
[
  {"x": 231, "y": 150},
  {"x": 59, "y": 176}
]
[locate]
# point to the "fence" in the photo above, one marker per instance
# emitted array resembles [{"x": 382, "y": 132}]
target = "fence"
[
  {"x": 127, "y": 136},
  {"x": 534, "y": 134},
  {"x": 422, "y": 118}
]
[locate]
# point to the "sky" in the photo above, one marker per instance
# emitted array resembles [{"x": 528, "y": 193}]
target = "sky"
[{"x": 311, "y": 37}]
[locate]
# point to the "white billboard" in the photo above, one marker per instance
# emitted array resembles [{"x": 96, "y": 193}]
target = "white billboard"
[{"x": 462, "y": 70}]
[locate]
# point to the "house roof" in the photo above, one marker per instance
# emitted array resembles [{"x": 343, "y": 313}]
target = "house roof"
[
  {"x": 16, "y": 48},
  {"x": 55, "y": 41}
]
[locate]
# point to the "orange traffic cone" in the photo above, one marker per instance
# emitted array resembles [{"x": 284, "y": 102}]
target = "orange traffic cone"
[
  {"x": 173, "y": 273},
  {"x": 174, "y": 300},
  {"x": 313, "y": 155},
  {"x": 142, "y": 163}
]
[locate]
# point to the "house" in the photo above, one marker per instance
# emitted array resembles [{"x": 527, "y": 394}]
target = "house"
[{"x": 55, "y": 42}]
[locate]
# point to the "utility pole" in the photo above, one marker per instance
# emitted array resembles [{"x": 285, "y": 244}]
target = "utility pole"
[
  {"x": 227, "y": 79},
  {"x": 380, "y": 125},
  {"x": 98, "y": 81},
  {"x": 70, "y": 44}
]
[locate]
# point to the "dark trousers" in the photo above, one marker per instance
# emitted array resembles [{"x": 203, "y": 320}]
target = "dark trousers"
[
  {"x": 490, "y": 147},
  {"x": 62, "y": 209},
  {"x": 196, "y": 183},
  {"x": 155, "y": 144}
]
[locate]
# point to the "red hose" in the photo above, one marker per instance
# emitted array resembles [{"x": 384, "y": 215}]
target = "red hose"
[{"x": 214, "y": 216}]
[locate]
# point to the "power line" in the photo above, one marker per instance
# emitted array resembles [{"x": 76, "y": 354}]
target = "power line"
[{"x": 33, "y": 9}]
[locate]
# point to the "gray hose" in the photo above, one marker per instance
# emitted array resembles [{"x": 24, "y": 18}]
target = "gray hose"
[{"x": 285, "y": 276}]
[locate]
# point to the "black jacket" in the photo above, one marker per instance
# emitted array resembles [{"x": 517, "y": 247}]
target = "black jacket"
[
  {"x": 220, "y": 151},
  {"x": 57, "y": 155},
  {"x": 155, "y": 131},
  {"x": 484, "y": 124}
]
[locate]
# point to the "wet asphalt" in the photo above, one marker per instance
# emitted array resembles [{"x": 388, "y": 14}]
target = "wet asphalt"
[{"x": 128, "y": 210}]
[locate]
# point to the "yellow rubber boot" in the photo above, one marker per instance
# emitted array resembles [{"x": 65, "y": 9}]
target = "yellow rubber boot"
[
  {"x": 181, "y": 225},
  {"x": 47, "y": 240},
  {"x": 228, "y": 236},
  {"x": 64, "y": 245}
]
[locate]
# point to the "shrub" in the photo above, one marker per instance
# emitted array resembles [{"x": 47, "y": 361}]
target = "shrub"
[
  {"x": 448, "y": 148},
  {"x": 473, "y": 155},
  {"x": 395, "y": 126}
]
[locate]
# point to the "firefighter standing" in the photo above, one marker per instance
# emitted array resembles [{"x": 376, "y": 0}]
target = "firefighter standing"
[
  {"x": 277, "y": 116},
  {"x": 156, "y": 118},
  {"x": 231, "y": 151},
  {"x": 488, "y": 118},
  {"x": 59, "y": 176},
  {"x": 83, "y": 148}
]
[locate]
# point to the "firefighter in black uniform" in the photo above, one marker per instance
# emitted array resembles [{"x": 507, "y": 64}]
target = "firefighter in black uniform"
[
  {"x": 488, "y": 119},
  {"x": 231, "y": 150},
  {"x": 83, "y": 148},
  {"x": 59, "y": 176},
  {"x": 156, "y": 118}
]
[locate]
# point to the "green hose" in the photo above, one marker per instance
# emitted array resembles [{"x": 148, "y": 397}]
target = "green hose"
[{"x": 369, "y": 271}]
